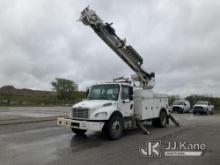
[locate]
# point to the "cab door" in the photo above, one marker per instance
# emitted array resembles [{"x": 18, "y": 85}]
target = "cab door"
[{"x": 126, "y": 103}]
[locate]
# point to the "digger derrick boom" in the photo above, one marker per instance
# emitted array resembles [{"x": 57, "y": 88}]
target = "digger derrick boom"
[{"x": 126, "y": 52}]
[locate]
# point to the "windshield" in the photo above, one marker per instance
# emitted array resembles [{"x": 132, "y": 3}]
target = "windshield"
[
  {"x": 104, "y": 92},
  {"x": 178, "y": 103},
  {"x": 202, "y": 102}
]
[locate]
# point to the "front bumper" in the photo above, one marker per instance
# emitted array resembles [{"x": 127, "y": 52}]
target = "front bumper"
[
  {"x": 199, "y": 110},
  {"x": 81, "y": 124},
  {"x": 177, "y": 109}
]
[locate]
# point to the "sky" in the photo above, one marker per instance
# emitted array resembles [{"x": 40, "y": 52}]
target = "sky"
[{"x": 178, "y": 40}]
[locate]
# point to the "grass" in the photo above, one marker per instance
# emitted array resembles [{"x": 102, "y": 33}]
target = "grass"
[
  {"x": 217, "y": 111},
  {"x": 7, "y": 101}
]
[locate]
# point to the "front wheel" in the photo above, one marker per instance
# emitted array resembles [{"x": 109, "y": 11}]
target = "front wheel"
[
  {"x": 183, "y": 111},
  {"x": 78, "y": 131},
  {"x": 114, "y": 127}
]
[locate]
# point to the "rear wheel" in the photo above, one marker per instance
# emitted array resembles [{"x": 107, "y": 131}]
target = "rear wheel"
[
  {"x": 78, "y": 131},
  {"x": 114, "y": 127},
  {"x": 161, "y": 121}
]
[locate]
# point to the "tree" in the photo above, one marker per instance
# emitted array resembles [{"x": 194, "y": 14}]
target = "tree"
[
  {"x": 172, "y": 98},
  {"x": 65, "y": 88}
]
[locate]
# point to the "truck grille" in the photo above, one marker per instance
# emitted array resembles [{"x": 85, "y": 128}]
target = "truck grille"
[
  {"x": 197, "y": 108},
  {"x": 177, "y": 109},
  {"x": 80, "y": 113}
]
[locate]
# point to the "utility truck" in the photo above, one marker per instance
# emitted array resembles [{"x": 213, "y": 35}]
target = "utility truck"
[
  {"x": 181, "y": 106},
  {"x": 122, "y": 104},
  {"x": 203, "y": 107}
]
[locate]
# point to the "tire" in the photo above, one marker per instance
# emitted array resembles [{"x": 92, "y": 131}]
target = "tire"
[
  {"x": 78, "y": 131},
  {"x": 114, "y": 127},
  {"x": 183, "y": 111},
  {"x": 160, "y": 122},
  {"x": 194, "y": 113}
]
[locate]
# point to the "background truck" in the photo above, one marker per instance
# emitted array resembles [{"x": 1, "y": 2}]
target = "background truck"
[
  {"x": 121, "y": 104},
  {"x": 203, "y": 107},
  {"x": 180, "y": 106}
]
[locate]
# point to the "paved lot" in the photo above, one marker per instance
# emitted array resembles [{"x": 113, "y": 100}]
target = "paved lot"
[{"x": 45, "y": 143}]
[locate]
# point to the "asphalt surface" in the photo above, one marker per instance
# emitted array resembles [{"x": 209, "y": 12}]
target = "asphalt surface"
[{"x": 44, "y": 143}]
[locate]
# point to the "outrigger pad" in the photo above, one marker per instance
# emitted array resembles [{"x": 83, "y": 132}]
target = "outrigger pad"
[
  {"x": 142, "y": 127},
  {"x": 174, "y": 120}
]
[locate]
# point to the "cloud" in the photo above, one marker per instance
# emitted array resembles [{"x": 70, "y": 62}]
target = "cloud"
[{"x": 179, "y": 41}]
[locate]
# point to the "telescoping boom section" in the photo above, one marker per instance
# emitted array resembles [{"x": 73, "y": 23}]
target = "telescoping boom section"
[{"x": 126, "y": 52}]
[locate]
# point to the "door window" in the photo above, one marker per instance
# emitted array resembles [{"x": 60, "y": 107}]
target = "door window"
[{"x": 126, "y": 92}]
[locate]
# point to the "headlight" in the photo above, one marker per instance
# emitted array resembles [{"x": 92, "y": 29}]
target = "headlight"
[
  {"x": 107, "y": 104},
  {"x": 101, "y": 114}
]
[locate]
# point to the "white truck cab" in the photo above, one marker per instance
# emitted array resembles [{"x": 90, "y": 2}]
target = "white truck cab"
[
  {"x": 181, "y": 106},
  {"x": 203, "y": 107},
  {"x": 113, "y": 107}
]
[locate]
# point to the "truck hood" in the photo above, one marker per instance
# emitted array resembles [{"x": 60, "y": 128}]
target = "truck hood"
[
  {"x": 93, "y": 104},
  {"x": 200, "y": 105}
]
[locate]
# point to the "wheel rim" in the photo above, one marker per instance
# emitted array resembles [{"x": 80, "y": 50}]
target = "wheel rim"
[{"x": 116, "y": 127}]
